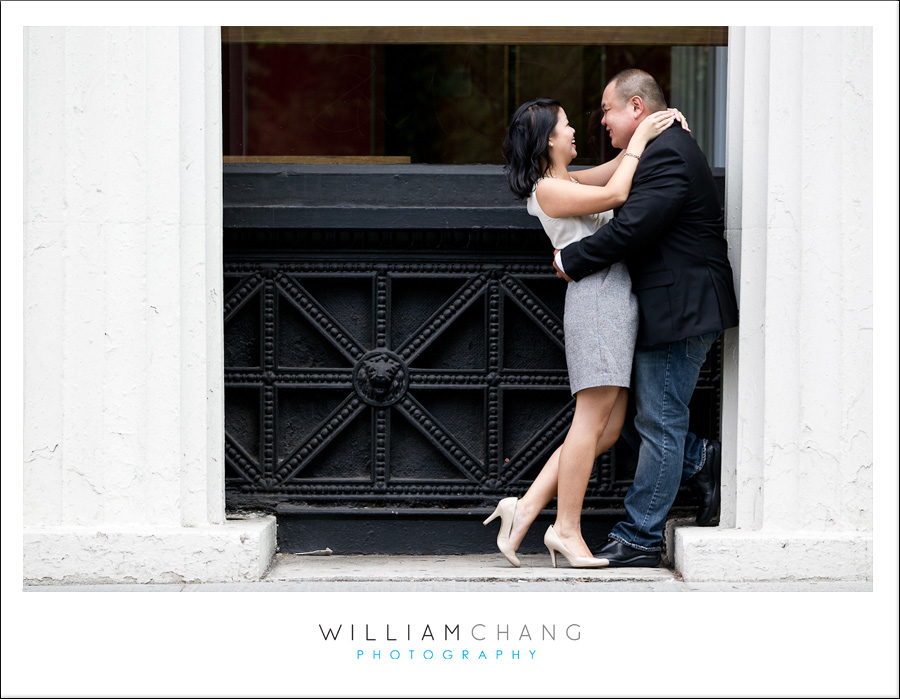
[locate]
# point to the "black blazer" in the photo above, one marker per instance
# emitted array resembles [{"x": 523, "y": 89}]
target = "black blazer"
[{"x": 670, "y": 233}]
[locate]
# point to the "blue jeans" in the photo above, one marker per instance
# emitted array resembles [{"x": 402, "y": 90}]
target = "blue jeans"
[{"x": 663, "y": 381}]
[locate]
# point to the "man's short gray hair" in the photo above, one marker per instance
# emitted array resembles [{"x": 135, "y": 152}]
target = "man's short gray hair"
[{"x": 634, "y": 81}]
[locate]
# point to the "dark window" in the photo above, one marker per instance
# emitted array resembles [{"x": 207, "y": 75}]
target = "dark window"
[{"x": 444, "y": 95}]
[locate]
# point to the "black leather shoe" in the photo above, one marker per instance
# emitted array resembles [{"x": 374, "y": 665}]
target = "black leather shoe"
[
  {"x": 621, "y": 555},
  {"x": 707, "y": 484}
]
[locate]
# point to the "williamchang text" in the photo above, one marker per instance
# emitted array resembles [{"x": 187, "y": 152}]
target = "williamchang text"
[{"x": 448, "y": 632}]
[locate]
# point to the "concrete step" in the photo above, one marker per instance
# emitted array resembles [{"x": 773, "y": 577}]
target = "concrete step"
[{"x": 324, "y": 572}]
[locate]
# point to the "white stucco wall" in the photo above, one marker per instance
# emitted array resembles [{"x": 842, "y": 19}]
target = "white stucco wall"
[
  {"x": 123, "y": 373},
  {"x": 124, "y": 414},
  {"x": 797, "y": 490}
]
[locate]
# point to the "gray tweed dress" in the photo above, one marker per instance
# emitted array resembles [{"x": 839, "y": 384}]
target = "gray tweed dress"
[{"x": 601, "y": 312}]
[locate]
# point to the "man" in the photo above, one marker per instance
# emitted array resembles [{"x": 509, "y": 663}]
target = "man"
[{"x": 670, "y": 233}]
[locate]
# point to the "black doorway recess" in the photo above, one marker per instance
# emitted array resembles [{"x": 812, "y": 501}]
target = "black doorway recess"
[{"x": 394, "y": 358}]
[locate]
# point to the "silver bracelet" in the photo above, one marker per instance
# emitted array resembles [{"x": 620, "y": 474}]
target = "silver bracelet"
[{"x": 634, "y": 155}]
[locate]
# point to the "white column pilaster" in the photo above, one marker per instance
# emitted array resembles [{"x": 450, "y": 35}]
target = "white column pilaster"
[
  {"x": 797, "y": 414},
  {"x": 124, "y": 406}
]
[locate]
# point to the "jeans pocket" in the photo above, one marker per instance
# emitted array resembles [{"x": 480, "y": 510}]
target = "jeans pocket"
[{"x": 697, "y": 347}]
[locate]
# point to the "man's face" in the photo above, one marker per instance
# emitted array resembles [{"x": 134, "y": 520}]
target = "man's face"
[{"x": 618, "y": 117}]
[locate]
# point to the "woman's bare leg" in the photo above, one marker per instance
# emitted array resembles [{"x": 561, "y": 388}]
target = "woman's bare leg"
[
  {"x": 529, "y": 506},
  {"x": 614, "y": 426},
  {"x": 545, "y": 486},
  {"x": 593, "y": 408}
]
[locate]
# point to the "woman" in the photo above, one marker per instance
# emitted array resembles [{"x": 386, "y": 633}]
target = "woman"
[{"x": 600, "y": 322}]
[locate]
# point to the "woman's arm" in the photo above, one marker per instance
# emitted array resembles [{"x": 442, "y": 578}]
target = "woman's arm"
[
  {"x": 599, "y": 176},
  {"x": 560, "y": 198}
]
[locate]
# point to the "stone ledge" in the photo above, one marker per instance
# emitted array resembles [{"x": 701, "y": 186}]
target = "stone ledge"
[
  {"x": 475, "y": 568},
  {"x": 238, "y": 550},
  {"x": 704, "y": 554}
]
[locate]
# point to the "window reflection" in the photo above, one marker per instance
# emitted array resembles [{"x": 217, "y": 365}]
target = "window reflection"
[{"x": 443, "y": 103}]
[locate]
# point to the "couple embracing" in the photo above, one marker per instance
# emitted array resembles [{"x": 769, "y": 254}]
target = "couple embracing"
[{"x": 649, "y": 291}]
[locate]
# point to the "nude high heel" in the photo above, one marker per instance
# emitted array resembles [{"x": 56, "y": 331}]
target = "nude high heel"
[
  {"x": 506, "y": 511},
  {"x": 554, "y": 544}
]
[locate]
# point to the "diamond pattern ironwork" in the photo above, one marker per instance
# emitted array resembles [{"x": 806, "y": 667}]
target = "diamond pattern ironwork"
[{"x": 427, "y": 383}]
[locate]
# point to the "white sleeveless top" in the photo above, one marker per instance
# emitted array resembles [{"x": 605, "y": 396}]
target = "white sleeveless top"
[{"x": 569, "y": 229}]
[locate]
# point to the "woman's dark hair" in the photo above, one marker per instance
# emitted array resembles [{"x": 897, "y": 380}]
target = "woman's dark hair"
[{"x": 526, "y": 145}]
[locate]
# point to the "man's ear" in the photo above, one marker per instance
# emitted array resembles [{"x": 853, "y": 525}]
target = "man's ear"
[{"x": 637, "y": 106}]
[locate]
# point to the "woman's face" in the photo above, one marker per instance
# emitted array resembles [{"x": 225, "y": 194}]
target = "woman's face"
[{"x": 563, "y": 138}]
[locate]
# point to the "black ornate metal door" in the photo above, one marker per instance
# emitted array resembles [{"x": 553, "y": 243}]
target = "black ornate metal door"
[{"x": 387, "y": 375}]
